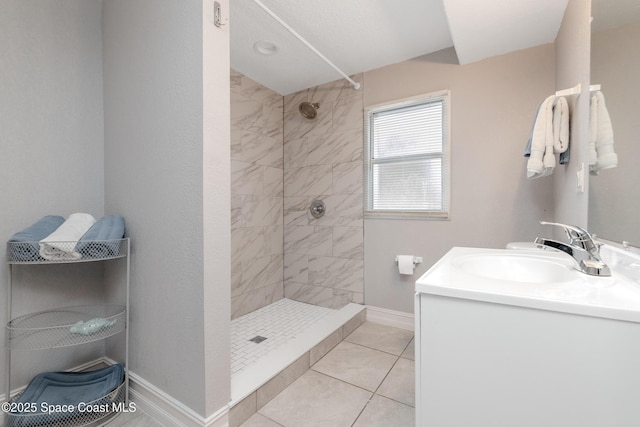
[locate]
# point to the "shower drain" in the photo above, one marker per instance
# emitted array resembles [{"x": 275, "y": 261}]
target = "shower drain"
[{"x": 258, "y": 339}]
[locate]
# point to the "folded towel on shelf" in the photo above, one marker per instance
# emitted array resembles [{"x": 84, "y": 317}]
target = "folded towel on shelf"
[
  {"x": 23, "y": 246},
  {"x": 541, "y": 159},
  {"x": 102, "y": 240},
  {"x": 60, "y": 245},
  {"x": 65, "y": 388},
  {"x": 605, "y": 157}
]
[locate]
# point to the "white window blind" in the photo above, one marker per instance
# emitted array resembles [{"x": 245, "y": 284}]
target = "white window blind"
[{"x": 407, "y": 157}]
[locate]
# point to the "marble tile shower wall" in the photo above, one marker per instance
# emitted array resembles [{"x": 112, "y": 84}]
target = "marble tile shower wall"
[
  {"x": 257, "y": 191},
  {"x": 323, "y": 258}
]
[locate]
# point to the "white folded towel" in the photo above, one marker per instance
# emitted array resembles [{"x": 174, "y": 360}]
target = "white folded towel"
[
  {"x": 542, "y": 161},
  {"x": 60, "y": 245},
  {"x": 605, "y": 156}
]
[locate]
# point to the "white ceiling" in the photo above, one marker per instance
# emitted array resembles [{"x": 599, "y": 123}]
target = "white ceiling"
[
  {"x": 360, "y": 35},
  {"x": 482, "y": 29}
]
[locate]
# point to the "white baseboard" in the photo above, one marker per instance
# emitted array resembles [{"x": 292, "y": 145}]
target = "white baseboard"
[
  {"x": 397, "y": 319},
  {"x": 167, "y": 410}
]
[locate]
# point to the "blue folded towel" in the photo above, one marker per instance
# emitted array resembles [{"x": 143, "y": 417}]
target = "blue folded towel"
[
  {"x": 66, "y": 388},
  {"x": 102, "y": 240},
  {"x": 23, "y": 246}
]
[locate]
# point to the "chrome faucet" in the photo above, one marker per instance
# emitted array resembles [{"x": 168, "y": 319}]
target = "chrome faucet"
[{"x": 581, "y": 248}]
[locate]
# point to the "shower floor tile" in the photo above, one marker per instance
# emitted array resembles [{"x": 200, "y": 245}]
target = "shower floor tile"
[{"x": 278, "y": 323}]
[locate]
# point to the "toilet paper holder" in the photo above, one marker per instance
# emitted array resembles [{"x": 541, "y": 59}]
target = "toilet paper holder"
[{"x": 416, "y": 260}]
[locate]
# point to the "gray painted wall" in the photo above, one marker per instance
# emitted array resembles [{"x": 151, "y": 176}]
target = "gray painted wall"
[
  {"x": 51, "y": 135},
  {"x": 159, "y": 163},
  {"x": 492, "y": 203},
  {"x": 573, "y": 56},
  {"x": 159, "y": 168}
]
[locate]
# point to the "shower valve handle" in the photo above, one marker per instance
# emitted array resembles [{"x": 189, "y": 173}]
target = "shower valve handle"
[{"x": 317, "y": 208}]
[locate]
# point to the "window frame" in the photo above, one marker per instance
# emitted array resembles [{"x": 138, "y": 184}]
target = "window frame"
[{"x": 445, "y": 213}]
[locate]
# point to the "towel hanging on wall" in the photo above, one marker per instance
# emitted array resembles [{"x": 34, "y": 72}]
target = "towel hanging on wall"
[
  {"x": 549, "y": 136},
  {"x": 601, "y": 153}
]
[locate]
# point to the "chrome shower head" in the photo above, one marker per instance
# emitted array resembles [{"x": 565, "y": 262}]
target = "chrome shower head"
[{"x": 308, "y": 110}]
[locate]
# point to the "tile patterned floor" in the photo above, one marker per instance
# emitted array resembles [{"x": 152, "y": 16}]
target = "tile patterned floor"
[
  {"x": 134, "y": 419},
  {"x": 367, "y": 380},
  {"x": 279, "y": 322}
]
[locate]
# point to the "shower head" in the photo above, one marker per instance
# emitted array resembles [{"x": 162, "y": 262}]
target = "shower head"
[{"x": 308, "y": 110}]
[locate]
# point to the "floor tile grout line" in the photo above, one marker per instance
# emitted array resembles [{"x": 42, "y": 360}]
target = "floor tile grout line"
[
  {"x": 377, "y": 349},
  {"x": 362, "y": 410},
  {"x": 342, "y": 381},
  {"x": 262, "y": 415}
]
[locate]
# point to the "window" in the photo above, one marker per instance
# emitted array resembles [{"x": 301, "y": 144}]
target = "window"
[{"x": 406, "y": 157}]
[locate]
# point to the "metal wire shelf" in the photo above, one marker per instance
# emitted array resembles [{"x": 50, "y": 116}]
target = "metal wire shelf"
[
  {"x": 95, "y": 412},
  {"x": 65, "y": 252},
  {"x": 59, "y": 327}
]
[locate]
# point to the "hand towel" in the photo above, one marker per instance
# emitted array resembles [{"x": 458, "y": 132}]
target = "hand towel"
[
  {"x": 549, "y": 159},
  {"x": 23, "y": 246},
  {"x": 541, "y": 160},
  {"x": 102, "y": 240},
  {"x": 605, "y": 156},
  {"x": 560, "y": 125},
  {"x": 60, "y": 245}
]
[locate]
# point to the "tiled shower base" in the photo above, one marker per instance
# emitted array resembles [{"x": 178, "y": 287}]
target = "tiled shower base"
[{"x": 297, "y": 335}]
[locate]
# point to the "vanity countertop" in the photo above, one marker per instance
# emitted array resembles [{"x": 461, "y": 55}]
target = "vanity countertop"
[{"x": 545, "y": 280}]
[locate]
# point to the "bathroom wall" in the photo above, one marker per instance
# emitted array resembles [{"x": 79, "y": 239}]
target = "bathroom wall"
[
  {"x": 257, "y": 255},
  {"x": 492, "y": 203},
  {"x": 614, "y": 198},
  {"x": 573, "y": 57},
  {"x": 323, "y": 261},
  {"x": 167, "y": 168},
  {"x": 51, "y": 137}
]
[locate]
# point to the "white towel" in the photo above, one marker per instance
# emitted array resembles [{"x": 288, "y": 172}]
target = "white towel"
[
  {"x": 542, "y": 161},
  {"x": 605, "y": 156},
  {"x": 593, "y": 129},
  {"x": 560, "y": 125},
  {"x": 60, "y": 245}
]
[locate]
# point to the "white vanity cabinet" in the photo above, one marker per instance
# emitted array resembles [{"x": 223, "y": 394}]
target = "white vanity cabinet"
[{"x": 487, "y": 361}]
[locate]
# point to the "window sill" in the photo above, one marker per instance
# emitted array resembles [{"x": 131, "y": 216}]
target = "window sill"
[{"x": 427, "y": 216}]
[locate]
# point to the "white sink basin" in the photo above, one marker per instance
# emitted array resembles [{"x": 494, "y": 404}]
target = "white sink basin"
[
  {"x": 537, "y": 279},
  {"x": 518, "y": 268}
]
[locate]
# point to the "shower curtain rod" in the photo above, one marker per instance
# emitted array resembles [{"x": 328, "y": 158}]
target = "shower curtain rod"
[{"x": 353, "y": 83}]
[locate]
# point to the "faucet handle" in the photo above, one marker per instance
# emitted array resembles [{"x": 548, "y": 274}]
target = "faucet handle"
[{"x": 576, "y": 235}]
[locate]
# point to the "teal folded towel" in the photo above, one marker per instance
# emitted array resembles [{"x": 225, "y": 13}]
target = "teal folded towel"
[
  {"x": 23, "y": 246},
  {"x": 65, "y": 388},
  {"x": 102, "y": 240}
]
